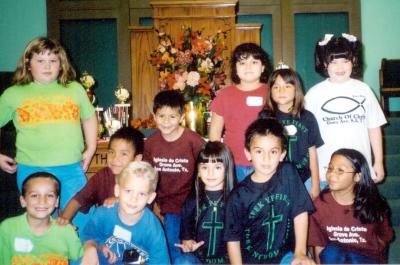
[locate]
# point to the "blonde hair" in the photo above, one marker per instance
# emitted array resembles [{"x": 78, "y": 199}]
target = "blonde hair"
[
  {"x": 139, "y": 169},
  {"x": 39, "y": 45}
]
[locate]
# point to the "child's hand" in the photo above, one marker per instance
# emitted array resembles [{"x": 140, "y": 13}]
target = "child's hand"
[
  {"x": 90, "y": 256},
  {"x": 379, "y": 171},
  {"x": 7, "y": 164},
  {"x": 189, "y": 245},
  {"x": 112, "y": 258},
  {"x": 61, "y": 221},
  {"x": 109, "y": 202},
  {"x": 300, "y": 259},
  {"x": 86, "y": 158},
  {"x": 314, "y": 192}
]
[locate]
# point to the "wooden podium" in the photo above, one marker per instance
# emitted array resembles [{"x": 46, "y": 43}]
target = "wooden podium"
[{"x": 169, "y": 16}]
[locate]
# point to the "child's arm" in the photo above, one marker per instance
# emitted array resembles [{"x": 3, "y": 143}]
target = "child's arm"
[
  {"x": 375, "y": 137},
  {"x": 300, "y": 231},
  {"x": 90, "y": 131},
  {"x": 234, "y": 253},
  {"x": 8, "y": 164},
  {"x": 317, "y": 251},
  {"x": 216, "y": 127},
  {"x": 71, "y": 209},
  {"x": 90, "y": 256},
  {"x": 314, "y": 172}
]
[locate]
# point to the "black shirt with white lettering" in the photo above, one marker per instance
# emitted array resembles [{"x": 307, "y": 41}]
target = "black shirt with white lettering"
[{"x": 261, "y": 215}]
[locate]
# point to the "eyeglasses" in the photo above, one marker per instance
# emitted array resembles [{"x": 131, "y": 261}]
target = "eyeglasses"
[{"x": 338, "y": 171}]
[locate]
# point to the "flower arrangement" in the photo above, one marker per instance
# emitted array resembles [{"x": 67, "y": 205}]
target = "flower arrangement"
[{"x": 193, "y": 64}]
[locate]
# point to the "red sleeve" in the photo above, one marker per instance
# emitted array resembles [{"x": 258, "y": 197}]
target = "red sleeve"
[
  {"x": 217, "y": 105},
  {"x": 315, "y": 231},
  {"x": 384, "y": 231},
  {"x": 86, "y": 196}
]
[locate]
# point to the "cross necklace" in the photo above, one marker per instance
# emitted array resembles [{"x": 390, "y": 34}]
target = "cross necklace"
[{"x": 214, "y": 204}]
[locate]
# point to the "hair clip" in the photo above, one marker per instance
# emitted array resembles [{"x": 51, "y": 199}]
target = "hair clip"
[
  {"x": 281, "y": 65},
  {"x": 349, "y": 37},
  {"x": 326, "y": 39}
]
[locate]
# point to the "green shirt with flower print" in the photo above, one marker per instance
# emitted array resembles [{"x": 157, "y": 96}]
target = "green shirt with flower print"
[{"x": 47, "y": 119}]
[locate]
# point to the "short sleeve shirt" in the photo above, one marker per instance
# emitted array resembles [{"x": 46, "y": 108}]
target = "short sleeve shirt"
[{"x": 261, "y": 215}]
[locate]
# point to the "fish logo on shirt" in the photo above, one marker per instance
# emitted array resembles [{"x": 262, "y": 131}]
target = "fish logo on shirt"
[{"x": 342, "y": 105}]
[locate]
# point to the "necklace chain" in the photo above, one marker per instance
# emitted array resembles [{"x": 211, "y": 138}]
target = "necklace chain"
[{"x": 214, "y": 203}]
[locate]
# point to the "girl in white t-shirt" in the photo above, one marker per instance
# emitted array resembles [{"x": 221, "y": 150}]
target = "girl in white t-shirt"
[{"x": 347, "y": 111}]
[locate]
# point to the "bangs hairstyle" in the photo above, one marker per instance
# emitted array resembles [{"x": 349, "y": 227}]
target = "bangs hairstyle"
[
  {"x": 42, "y": 45},
  {"x": 244, "y": 51},
  {"x": 46, "y": 175},
  {"x": 338, "y": 48},
  {"x": 169, "y": 98},
  {"x": 139, "y": 169},
  {"x": 369, "y": 206},
  {"x": 217, "y": 152},
  {"x": 265, "y": 127},
  {"x": 289, "y": 77}
]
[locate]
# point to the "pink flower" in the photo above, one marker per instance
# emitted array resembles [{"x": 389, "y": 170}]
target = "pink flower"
[{"x": 181, "y": 81}]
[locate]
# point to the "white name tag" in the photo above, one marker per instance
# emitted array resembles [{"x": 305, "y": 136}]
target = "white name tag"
[
  {"x": 23, "y": 245},
  {"x": 254, "y": 101},
  {"x": 122, "y": 233}
]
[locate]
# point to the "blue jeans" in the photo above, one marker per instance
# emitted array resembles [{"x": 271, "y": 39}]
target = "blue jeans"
[
  {"x": 187, "y": 259},
  {"x": 243, "y": 171},
  {"x": 172, "y": 225},
  {"x": 333, "y": 254},
  {"x": 72, "y": 179}
]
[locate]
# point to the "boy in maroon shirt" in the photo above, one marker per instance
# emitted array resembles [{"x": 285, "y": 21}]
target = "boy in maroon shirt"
[
  {"x": 172, "y": 150},
  {"x": 125, "y": 146}
]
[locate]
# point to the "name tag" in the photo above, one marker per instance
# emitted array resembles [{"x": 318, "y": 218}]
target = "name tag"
[
  {"x": 23, "y": 245},
  {"x": 122, "y": 233},
  {"x": 290, "y": 130},
  {"x": 254, "y": 101}
]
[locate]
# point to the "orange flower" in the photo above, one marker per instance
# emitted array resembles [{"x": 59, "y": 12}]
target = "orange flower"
[{"x": 171, "y": 80}]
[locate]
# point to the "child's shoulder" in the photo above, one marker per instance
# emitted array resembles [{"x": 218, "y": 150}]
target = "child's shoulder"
[
  {"x": 190, "y": 135},
  {"x": 9, "y": 222}
]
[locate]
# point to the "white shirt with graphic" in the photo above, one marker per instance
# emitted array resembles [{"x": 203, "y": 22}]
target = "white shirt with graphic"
[{"x": 344, "y": 113}]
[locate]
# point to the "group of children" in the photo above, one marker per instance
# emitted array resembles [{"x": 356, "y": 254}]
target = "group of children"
[{"x": 255, "y": 198}]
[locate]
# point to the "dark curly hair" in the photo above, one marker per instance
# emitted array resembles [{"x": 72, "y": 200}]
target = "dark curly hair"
[{"x": 243, "y": 51}]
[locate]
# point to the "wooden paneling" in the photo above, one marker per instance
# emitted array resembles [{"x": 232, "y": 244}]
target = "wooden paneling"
[
  {"x": 144, "y": 75},
  {"x": 247, "y": 33}
]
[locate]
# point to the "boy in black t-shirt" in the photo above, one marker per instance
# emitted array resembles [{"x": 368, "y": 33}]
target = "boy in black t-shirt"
[{"x": 267, "y": 213}]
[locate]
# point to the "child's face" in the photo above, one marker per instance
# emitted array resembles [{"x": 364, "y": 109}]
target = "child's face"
[
  {"x": 45, "y": 67},
  {"x": 265, "y": 153},
  {"x": 40, "y": 198},
  {"x": 249, "y": 70},
  {"x": 119, "y": 155},
  {"x": 340, "y": 174},
  {"x": 283, "y": 94},
  {"x": 339, "y": 70},
  {"x": 212, "y": 175},
  {"x": 134, "y": 193},
  {"x": 167, "y": 120}
]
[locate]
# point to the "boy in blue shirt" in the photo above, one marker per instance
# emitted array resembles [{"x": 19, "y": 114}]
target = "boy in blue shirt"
[{"x": 128, "y": 231}]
